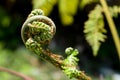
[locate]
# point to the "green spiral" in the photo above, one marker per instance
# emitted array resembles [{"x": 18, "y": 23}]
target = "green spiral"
[{"x": 38, "y": 27}]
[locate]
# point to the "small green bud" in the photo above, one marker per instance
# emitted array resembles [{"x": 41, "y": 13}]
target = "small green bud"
[{"x": 69, "y": 50}]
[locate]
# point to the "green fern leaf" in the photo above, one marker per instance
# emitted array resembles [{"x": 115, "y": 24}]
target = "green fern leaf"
[{"x": 94, "y": 29}]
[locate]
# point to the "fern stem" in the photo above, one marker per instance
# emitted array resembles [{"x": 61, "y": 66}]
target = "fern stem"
[{"x": 111, "y": 26}]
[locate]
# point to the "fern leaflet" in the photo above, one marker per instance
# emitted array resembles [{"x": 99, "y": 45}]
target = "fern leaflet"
[{"x": 94, "y": 29}]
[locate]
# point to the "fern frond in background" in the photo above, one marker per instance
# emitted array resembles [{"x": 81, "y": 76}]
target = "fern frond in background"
[
  {"x": 67, "y": 10},
  {"x": 45, "y": 5},
  {"x": 94, "y": 29},
  {"x": 115, "y": 10}
]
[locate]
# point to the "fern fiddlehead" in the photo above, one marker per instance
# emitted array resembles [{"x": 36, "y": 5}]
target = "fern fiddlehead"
[
  {"x": 38, "y": 25},
  {"x": 37, "y": 32}
]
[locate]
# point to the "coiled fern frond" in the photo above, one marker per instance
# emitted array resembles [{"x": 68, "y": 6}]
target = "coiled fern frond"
[
  {"x": 37, "y": 32},
  {"x": 94, "y": 29},
  {"x": 39, "y": 27}
]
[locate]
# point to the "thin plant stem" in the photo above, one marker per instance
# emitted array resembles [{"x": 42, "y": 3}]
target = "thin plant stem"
[
  {"x": 15, "y": 73},
  {"x": 111, "y": 25}
]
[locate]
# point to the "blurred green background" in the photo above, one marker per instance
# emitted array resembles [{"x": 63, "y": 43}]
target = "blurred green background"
[{"x": 69, "y": 17}]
